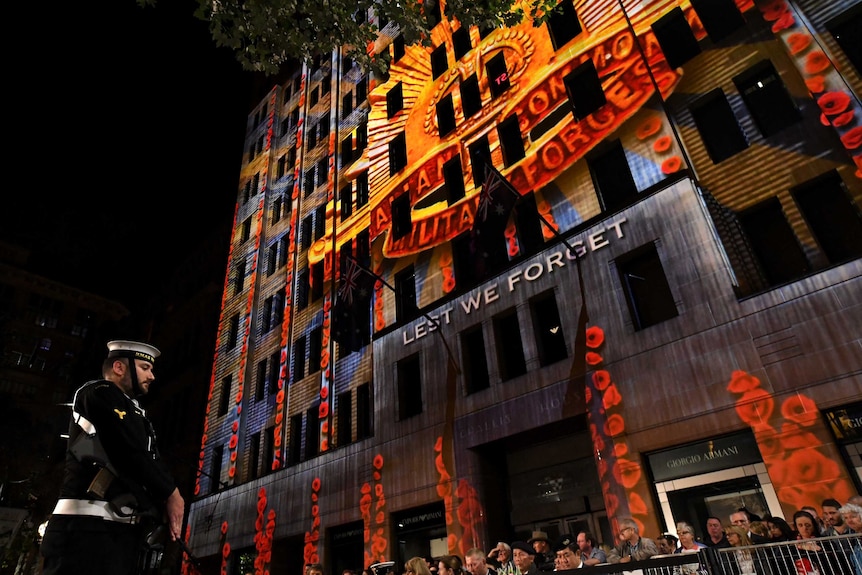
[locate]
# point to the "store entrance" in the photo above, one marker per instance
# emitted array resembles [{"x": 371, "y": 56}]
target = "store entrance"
[{"x": 693, "y": 505}]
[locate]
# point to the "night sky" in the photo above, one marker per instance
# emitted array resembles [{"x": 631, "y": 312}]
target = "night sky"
[{"x": 128, "y": 134}]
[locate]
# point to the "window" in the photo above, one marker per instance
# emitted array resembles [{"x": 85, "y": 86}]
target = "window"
[
  {"x": 645, "y": 286},
  {"x": 550, "y": 340},
  {"x": 722, "y": 136},
  {"x": 224, "y": 398},
  {"x": 471, "y": 98},
  {"x": 285, "y": 126},
  {"x": 773, "y": 241},
  {"x": 291, "y": 162},
  {"x": 299, "y": 358},
  {"x": 215, "y": 469},
  {"x": 305, "y": 231},
  {"x": 309, "y": 182},
  {"x": 314, "y": 97},
  {"x": 767, "y": 98},
  {"x": 302, "y": 289},
  {"x": 405, "y": 293},
  {"x": 461, "y": 42},
  {"x": 260, "y": 380},
  {"x": 439, "y": 61},
  {"x": 473, "y": 360},
  {"x": 239, "y": 277},
  {"x": 322, "y": 170},
  {"x": 584, "y": 89},
  {"x": 312, "y": 431},
  {"x": 277, "y": 309},
  {"x": 675, "y": 37},
  {"x": 445, "y": 115},
  {"x": 268, "y": 449},
  {"x": 720, "y": 18},
  {"x": 398, "y": 48},
  {"x": 344, "y": 418},
  {"x": 312, "y": 136},
  {"x": 274, "y": 371},
  {"x": 397, "y": 154},
  {"x": 834, "y": 219},
  {"x": 362, "y": 189},
  {"x": 271, "y": 258},
  {"x": 345, "y": 196},
  {"x": 246, "y": 230},
  {"x": 402, "y": 224},
  {"x": 510, "y": 139},
  {"x": 277, "y": 204},
  {"x": 510, "y": 350},
  {"x": 454, "y": 178},
  {"x": 432, "y": 13},
  {"x": 529, "y": 226},
  {"x": 364, "y": 411},
  {"x": 394, "y": 100},
  {"x": 347, "y": 151},
  {"x": 279, "y": 171},
  {"x": 266, "y": 315},
  {"x": 319, "y": 222},
  {"x": 362, "y": 90},
  {"x": 845, "y": 29},
  {"x": 316, "y": 287},
  {"x": 479, "y": 149},
  {"x": 611, "y": 176},
  {"x": 315, "y": 339},
  {"x": 563, "y": 24},
  {"x": 294, "y": 452},
  {"x": 254, "y": 459},
  {"x": 232, "y": 331},
  {"x": 409, "y": 387},
  {"x": 361, "y": 136},
  {"x": 326, "y": 84},
  {"x": 282, "y": 251},
  {"x": 498, "y": 76}
]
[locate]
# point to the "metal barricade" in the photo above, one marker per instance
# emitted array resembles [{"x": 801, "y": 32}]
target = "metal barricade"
[{"x": 840, "y": 555}]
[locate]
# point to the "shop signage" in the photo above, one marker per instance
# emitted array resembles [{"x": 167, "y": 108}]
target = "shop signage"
[
  {"x": 704, "y": 457},
  {"x": 846, "y": 422}
]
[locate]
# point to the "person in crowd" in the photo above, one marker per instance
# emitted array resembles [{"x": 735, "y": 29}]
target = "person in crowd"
[
  {"x": 759, "y": 532},
  {"x": 743, "y": 518},
  {"x": 522, "y": 555},
  {"x": 852, "y": 516},
  {"x": 589, "y": 549},
  {"x": 666, "y": 543},
  {"x": 740, "y": 518},
  {"x": 500, "y": 558},
  {"x": 856, "y": 500},
  {"x": 715, "y": 536},
  {"x": 568, "y": 554},
  {"x": 816, "y": 515},
  {"x": 476, "y": 562},
  {"x": 807, "y": 529},
  {"x": 116, "y": 488},
  {"x": 314, "y": 569},
  {"x": 687, "y": 542},
  {"x": 832, "y": 518},
  {"x": 418, "y": 566},
  {"x": 450, "y": 565},
  {"x": 779, "y": 530},
  {"x": 737, "y": 536},
  {"x": 544, "y": 558},
  {"x": 632, "y": 546}
]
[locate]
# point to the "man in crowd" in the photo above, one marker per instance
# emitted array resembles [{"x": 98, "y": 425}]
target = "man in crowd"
[
  {"x": 544, "y": 557},
  {"x": 715, "y": 536},
  {"x": 832, "y": 518},
  {"x": 632, "y": 546},
  {"x": 522, "y": 555},
  {"x": 590, "y": 552},
  {"x": 476, "y": 564}
]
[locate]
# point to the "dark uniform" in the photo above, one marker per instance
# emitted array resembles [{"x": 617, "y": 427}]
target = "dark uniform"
[{"x": 100, "y": 529}]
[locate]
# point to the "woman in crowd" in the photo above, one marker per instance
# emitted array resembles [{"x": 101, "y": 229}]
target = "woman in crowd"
[
  {"x": 779, "y": 530},
  {"x": 450, "y": 565},
  {"x": 417, "y": 566},
  {"x": 688, "y": 544},
  {"x": 737, "y": 536}
]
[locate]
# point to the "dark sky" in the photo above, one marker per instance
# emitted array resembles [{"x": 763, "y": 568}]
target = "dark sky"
[{"x": 128, "y": 128}]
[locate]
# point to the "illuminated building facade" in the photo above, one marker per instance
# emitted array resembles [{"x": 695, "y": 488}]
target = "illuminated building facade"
[{"x": 703, "y": 159}]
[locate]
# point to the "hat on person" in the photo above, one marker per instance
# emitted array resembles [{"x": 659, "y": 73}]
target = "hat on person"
[
  {"x": 133, "y": 349},
  {"x": 523, "y": 546},
  {"x": 563, "y": 542},
  {"x": 538, "y": 536}
]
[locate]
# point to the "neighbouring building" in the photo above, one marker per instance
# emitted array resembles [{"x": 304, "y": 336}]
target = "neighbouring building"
[{"x": 668, "y": 327}]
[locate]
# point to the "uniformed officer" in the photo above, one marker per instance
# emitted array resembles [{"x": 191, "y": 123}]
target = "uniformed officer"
[{"x": 115, "y": 486}]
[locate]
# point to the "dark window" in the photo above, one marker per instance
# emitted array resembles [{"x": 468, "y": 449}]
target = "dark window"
[
  {"x": 362, "y": 90},
  {"x": 312, "y": 432},
  {"x": 312, "y": 137},
  {"x": 397, "y": 48},
  {"x": 315, "y": 339},
  {"x": 832, "y": 216},
  {"x": 845, "y": 29},
  {"x": 510, "y": 350},
  {"x": 319, "y": 222},
  {"x": 282, "y": 251},
  {"x": 344, "y": 417},
  {"x": 439, "y": 61},
  {"x": 402, "y": 224},
  {"x": 322, "y": 171},
  {"x": 266, "y": 315},
  {"x": 361, "y": 136},
  {"x": 285, "y": 126},
  {"x": 611, "y": 176},
  {"x": 326, "y": 83},
  {"x": 347, "y": 151},
  {"x": 645, "y": 286},
  {"x": 445, "y": 115},
  {"x": 461, "y": 42},
  {"x": 278, "y": 308},
  {"x": 233, "y": 332},
  {"x": 364, "y": 411},
  {"x": 271, "y": 258},
  {"x": 291, "y": 162},
  {"x": 268, "y": 449},
  {"x": 224, "y": 398},
  {"x": 471, "y": 98},
  {"x": 362, "y": 189},
  {"x": 274, "y": 371},
  {"x": 302, "y": 289},
  {"x": 239, "y": 276},
  {"x": 294, "y": 452},
  {"x": 246, "y": 230},
  {"x": 720, "y": 18},
  {"x": 254, "y": 459},
  {"x": 474, "y": 361},
  {"x": 530, "y": 228},
  {"x": 215, "y": 469},
  {"x": 363, "y": 248},
  {"x": 432, "y": 13},
  {"x": 550, "y": 340},
  {"x": 260, "y": 382},
  {"x": 314, "y": 97},
  {"x": 510, "y": 139},
  {"x": 584, "y": 90},
  {"x": 277, "y": 206},
  {"x": 563, "y": 25},
  {"x": 773, "y": 241},
  {"x": 405, "y": 293},
  {"x": 346, "y": 199},
  {"x": 279, "y": 170},
  {"x": 397, "y": 154},
  {"x": 718, "y": 127},
  {"x": 305, "y": 231},
  {"x": 299, "y": 358},
  {"x": 675, "y": 37},
  {"x": 409, "y": 375},
  {"x": 454, "y": 178},
  {"x": 498, "y": 75},
  {"x": 767, "y": 98},
  {"x": 394, "y": 100},
  {"x": 316, "y": 281},
  {"x": 479, "y": 149},
  {"x": 309, "y": 182},
  {"x": 346, "y": 105}
]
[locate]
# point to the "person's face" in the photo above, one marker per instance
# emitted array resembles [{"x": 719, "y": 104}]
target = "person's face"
[
  {"x": 568, "y": 559},
  {"x": 713, "y": 526},
  {"x": 540, "y": 546},
  {"x": 733, "y": 539},
  {"x": 502, "y": 554},
  {"x": 626, "y": 533},
  {"x": 442, "y": 569},
  {"x": 583, "y": 543},
  {"x": 686, "y": 538},
  {"x": 774, "y": 530},
  {"x": 664, "y": 546},
  {"x": 853, "y": 520},
  {"x": 740, "y": 519},
  {"x": 476, "y": 566},
  {"x": 831, "y": 516},
  {"x": 805, "y": 527},
  {"x": 522, "y": 559}
]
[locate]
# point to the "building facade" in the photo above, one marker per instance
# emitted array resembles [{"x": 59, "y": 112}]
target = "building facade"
[{"x": 669, "y": 326}]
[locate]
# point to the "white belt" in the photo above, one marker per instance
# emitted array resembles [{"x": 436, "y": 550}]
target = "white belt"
[{"x": 91, "y": 508}]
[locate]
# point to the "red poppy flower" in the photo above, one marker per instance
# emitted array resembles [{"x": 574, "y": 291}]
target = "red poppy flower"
[
  {"x": 637, "y": 505},
  {"x": 224, "y": 528},
  {"x": 378, "y": 461},
  {"x": 233, "y": 456},
  {"x": 648, "y": 127},
  {"x": 615, "y": 425},
  {"x": 784, "y": 22},
  {"x": 671, "y": 165},
  {"x": 595, "y": 337},
  {"x": 798, "y": 42},
  {"x": 448, "y": 284},
  {"x": 774, "y": 10},
  {"x": 593, "y": 358},
  {"x": 279, "y": 397},
  {"x": 231, "y": 472},
  {"x": 233, "y": 441},
  {"x": 323, "y": 409},
  {"x": 621, "y": 449},
  {"x": 612, "y": 397},
  {"x": 853, "y": 138},
  {"x": 800, "y": 409},
  {"x": 833, "y": 103},
  {"x": 601, "y": 379},
  {"x": 627, "y": 473},
  {"x": 843, "y": 119},
  {"x": 324, "y": 392},
  {"x": 755, "y": 406},
  {"x": 225, "y": 550},
  {"x": 795, "y": 437},
  {"x": 662, "y": 144},
  {"x": 315, "y": 484},
  {"x": 816, "y": 62},
  {"x": 740, "y": 382}
]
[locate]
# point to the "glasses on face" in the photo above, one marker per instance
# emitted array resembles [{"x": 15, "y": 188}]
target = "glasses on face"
[{"x": 624, "y": 529}]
